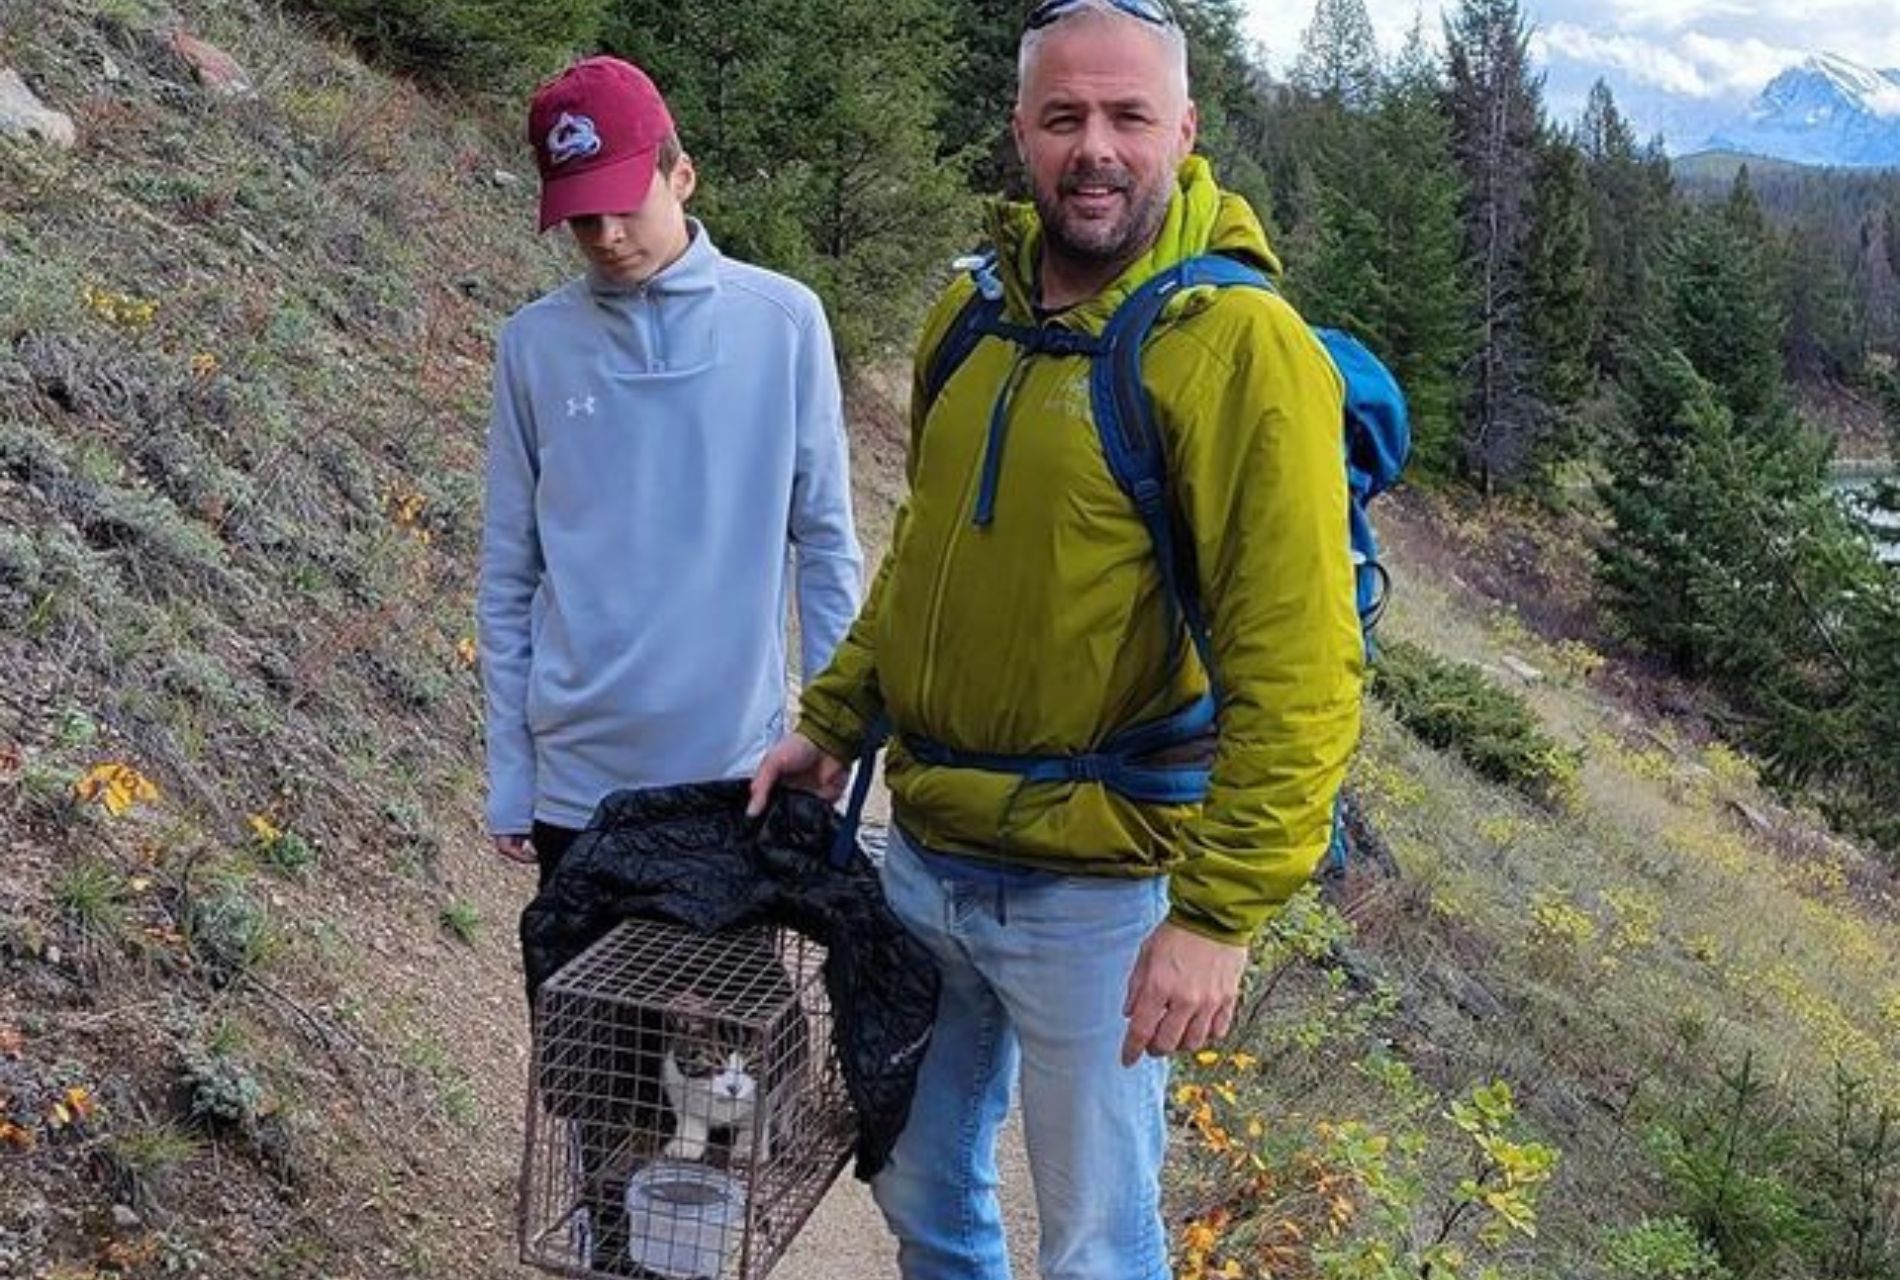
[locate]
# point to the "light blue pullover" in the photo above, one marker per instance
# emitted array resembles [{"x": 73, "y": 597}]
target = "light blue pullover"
[{"x": 660, "y": 458}]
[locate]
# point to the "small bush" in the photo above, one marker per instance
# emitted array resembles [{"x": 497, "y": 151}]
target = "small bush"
[
  {"x": 91, "y": 898},
  {"x": 1728, "y": 1161},
  {"x": 1455, "y": 707},
  {"x": 1662, "y": 1249},
  {"x": 223, "y": 1090},
  {"x": 461, "y": 920},
  {"x": 231, "y": 931},
  {"x": 466, "y": 43},
  {"x": 144, "y": 1159},
  {"x": 289, "y": 854}
]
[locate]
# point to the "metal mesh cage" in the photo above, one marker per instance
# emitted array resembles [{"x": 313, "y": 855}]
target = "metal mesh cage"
[{"x": 686, "y": 1113}]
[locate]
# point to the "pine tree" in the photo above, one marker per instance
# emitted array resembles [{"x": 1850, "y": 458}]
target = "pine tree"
[
  {"x": 1339, "y": 56},
  {"x": 1230, "y": 93},
  {"x": 728, "y": 73},
  {"x": 1495, "y": 106},
  {"x": 887, "y": 202},
  {"x": 1729, "y": 554},
  {"x": 1424, "y": 334},
  {"x": 1662, "y": 501},
  {"x": 1561, "y": 281},
  {"x": 1876, "y": 280},
  {"x": 1721, "y": 311},
  {"x": 481, "y": 45},
  {"x": 1631, "y": 201},
  {"x": 1825, "y": 336},
  {"x": 814, "y": 128},
  {"x": 977, "y": 109},
  {"x": 1336, "y": 253}
]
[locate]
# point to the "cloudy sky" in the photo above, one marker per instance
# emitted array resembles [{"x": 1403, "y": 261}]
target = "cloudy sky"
[{"x": 1681, "y": 67}]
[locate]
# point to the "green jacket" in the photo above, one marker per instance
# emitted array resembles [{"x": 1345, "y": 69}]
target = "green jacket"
[{"x": 1049, "y": 630}]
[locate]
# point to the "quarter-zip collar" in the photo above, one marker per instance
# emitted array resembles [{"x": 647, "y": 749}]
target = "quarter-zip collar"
[
  {"x": 695, "y": 271},
  {"x": 665, "y": 325}
]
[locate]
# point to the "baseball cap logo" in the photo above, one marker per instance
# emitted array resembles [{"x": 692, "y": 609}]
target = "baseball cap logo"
[{"x": 572, "y": 138}]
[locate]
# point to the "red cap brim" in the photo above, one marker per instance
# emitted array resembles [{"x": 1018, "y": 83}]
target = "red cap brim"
[{"x": 620, "y": 187}]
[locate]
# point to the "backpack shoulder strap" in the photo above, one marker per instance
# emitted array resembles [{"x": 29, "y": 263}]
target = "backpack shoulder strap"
[
  {"x": 979, "y": 314},
  {"x": 1124, "y": 417}
]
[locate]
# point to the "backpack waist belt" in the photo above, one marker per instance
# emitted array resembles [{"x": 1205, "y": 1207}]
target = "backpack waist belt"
[{"x": 1165, "y": 761}]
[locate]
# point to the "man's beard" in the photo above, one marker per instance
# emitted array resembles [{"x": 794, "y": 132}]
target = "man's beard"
[{"x": 1103, "y": 243}]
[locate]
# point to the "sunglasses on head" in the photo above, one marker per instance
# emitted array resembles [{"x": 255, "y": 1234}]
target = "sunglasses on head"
[{"x": 1052, "y": 11}]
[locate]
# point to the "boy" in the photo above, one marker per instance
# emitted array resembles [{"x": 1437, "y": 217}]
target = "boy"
[{"x": 667, "y": 443}]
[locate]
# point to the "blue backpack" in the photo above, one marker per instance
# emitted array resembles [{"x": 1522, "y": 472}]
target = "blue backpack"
[{"x": 1377, "y": 438}]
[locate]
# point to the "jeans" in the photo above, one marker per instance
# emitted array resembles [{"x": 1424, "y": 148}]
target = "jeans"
[{"x": 1035, "y": 970}]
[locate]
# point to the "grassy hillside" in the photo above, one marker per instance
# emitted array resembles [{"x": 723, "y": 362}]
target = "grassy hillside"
[
  {"x": 259, "y": 1003},
  {"x": 269, "y": 1011},
  {"x": 1690, "y": 989},
  {"x": 1718, "y": 168}
]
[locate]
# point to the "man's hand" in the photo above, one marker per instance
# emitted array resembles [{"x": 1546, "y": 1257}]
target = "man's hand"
[
  {"x": 515, "y": 849},
  {"x": 1182, "y": 993},
  {"x": 797, "y": 762}
]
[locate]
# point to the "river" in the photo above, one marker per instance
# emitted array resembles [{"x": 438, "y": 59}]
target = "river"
[{"x": 1855, "y": 481}]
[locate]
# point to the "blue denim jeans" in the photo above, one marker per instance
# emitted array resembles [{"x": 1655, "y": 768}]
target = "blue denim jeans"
[{"x": 1035, "y": 971}]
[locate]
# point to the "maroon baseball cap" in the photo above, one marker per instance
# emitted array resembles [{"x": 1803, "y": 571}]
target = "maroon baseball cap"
[{"x": 596, "y": 130}]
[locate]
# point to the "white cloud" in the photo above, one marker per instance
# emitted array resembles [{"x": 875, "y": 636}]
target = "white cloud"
[
  {"x": 1682, "y": 67},
  {"x": 1885, "y": 102},
  {"x": 1669, "y": 15},
  {"x": 1738, "y": 66},
  {"x": 1865, "y": 30},
  {"x": 1641, "y": 60}
]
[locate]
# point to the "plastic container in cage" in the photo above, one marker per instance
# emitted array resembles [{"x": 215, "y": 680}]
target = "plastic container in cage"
[
  {"x": 683, "y": 1219},
  {"x": 686, "y": 1113}
]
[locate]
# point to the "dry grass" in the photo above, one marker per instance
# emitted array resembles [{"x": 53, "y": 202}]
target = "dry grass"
[
  {"x": 1607, "y": 958},
  {"x": 243, "y": 353}
]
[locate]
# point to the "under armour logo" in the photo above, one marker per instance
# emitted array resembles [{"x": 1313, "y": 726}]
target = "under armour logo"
[
  {"x": 572, "y": 138},
  {"x": 576, "y": 406}
]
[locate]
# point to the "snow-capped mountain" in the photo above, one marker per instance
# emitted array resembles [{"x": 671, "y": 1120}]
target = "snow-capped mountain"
[{"x": 1827, "y": 111}]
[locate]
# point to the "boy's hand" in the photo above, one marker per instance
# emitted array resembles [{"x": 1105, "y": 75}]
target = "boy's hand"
[
  {"x": 515, "y": 849},
  {"x": 797, "y": 762}
]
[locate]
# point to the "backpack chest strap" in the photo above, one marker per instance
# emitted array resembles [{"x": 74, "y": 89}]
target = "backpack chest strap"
[{"x": 1030, "y": 341}]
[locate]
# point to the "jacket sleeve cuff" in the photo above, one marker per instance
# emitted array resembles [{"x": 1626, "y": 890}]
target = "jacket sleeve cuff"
[
  {"x": 843, "y": 745},
  {"x": 1186, "y": 916},
  {"x": 510, "y": 807}
]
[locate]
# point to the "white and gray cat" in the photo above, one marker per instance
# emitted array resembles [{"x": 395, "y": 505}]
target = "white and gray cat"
[{"x": 713, "y": 1084}]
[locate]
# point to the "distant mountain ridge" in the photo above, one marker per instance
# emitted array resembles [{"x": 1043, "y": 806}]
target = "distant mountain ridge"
[{"x": 1829, "y": 110}]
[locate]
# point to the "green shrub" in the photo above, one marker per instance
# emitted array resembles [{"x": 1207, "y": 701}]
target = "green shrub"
[
  {"x": 223, "y": 1090},
  {"x": 231, "y": 931},
  {"x": 1728, "y": 1160},
  {"x": 286, "y": 853},
  {"x": 1661, "y": 1249},
  {"x": 91, "y": 896},
  {"x": 144, "y": 1158},
  {"x": 461, "y": 921},
  {"x": 466, "y": 43},
  {"x": 1455, "y": 707}
]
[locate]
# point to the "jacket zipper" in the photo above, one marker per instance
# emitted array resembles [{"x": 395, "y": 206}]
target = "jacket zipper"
[
  {"x": 959, "y": 519},
  {"x": 649, "y": 312}
]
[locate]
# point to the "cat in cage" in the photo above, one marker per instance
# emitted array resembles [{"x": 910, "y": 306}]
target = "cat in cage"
[
  {"x": 713, "y": 1074},
  {"x": 717, "y": 1072}
]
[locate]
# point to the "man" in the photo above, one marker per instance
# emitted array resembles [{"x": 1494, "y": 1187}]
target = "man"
[
  {"x": 1021, "y": 615},
  {"x": 667, "y": 441}
]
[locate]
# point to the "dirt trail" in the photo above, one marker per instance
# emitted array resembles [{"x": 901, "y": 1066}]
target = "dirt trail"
[{"x": 847, "y": 1240}]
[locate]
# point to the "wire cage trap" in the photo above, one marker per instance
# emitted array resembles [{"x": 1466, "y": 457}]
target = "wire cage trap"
[{"x": 687, "y": 1113}]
